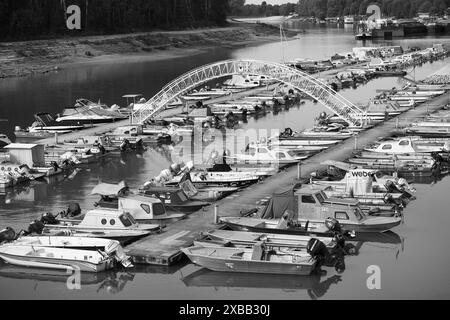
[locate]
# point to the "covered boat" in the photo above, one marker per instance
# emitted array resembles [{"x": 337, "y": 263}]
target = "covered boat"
[
  {"x": 144, "y": 209},
  {"x": 309, "y": 210}
]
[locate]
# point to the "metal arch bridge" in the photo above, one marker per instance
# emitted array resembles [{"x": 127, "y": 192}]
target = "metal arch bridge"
[{"x": 282, "y": 73}]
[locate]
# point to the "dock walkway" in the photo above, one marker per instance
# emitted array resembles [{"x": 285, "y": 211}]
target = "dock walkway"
[{"x": 164, "y": 248}]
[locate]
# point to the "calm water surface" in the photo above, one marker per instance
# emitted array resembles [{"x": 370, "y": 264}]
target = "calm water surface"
[{"x": 412, "y": 265}]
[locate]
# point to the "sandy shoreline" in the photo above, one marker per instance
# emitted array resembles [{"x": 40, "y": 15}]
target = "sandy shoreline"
[{"x": 19, "y": 59}]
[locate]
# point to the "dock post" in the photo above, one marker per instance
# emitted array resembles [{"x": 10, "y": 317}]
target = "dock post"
[
  {"x": 299, "y": 170},
  {"x": 216, "y": 214},
  {"x": 356, "y": 142},
  {"x": 396, "y": 123},
  {"x": 56, "y": 137}
]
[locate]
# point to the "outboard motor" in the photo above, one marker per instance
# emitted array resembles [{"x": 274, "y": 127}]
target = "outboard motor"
[
  {"x": 48, "y": 218},
  {"x": 388, "y": 199},
  {"x": 73, "y": 210},
  {"x": 438, "y": 158},
  {"x": 333, "y": 225},
  {"x": 36, "y": 227},
  {"x": 335, "y": 228},
  {"x": 317, "y": 250},
  {"x": 7, "y": 234},
  {"x": 391, "y": 187}
]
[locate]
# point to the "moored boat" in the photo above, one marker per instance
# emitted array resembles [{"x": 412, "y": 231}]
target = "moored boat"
[
  {"x": 256, "y": 260},
  {"x": 101, "y": 223},
  {"x": 64, "y": 253}
]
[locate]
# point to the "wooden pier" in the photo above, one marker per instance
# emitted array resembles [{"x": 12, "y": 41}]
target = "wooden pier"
[{"x": 164, "y": 248}]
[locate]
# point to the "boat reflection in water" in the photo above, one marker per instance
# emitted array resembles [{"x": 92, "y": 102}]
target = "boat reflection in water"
[
  {"x": 316, "y": 284},
  {"x": 111, "y": 281},
  {"x": 388, "y": 240}
]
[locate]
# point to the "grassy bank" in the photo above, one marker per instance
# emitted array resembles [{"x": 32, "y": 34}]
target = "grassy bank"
[{"x": 19, "y": 59}]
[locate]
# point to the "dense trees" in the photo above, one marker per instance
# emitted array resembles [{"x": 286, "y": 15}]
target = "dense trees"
[
  {"x": 397, "y": 8},
  {"x": 335, "y": 8},
  {"x": 239, "y": 8},
  {"x": 35, "y": 18}
]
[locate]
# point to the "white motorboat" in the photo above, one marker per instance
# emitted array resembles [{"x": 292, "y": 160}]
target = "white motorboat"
[
  {"x": 363, "y": 181},
  {"x": 45, "y": 123},
  {"x": 266, "y": 154},
  {"x": 88, "y": 112},
  {"x": 406, "y": 145},
  {"x": 241, "y": 82},
  {"x": 144, "y": 209},
  {"x": 103, "y": 223},
  {"x": 107, "y": 246},
  {"x": 230, "y": 178},
  {"x": 55, "y": 258}
]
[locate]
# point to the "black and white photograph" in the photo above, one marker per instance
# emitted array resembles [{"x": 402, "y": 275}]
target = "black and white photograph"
[{"x": 201, "y": 151}]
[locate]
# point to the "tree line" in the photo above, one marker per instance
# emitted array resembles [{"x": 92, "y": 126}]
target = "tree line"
[
  {"x": 396, "y": 8},
  {"x": 240, "y": 8},
  {"x": 22, "y": 19},
  {"x": 338, "y": 8}
]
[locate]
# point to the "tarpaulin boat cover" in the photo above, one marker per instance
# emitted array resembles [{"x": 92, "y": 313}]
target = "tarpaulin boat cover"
[
  {"x": 278, "y": 204},
  {"x": 109, "y": 189}
]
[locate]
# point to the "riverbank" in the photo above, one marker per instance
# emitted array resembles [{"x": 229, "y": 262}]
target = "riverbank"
[{"x": 19, "y": 59}]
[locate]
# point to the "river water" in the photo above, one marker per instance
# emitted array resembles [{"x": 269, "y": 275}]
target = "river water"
[{"x": 413, "y": 264}]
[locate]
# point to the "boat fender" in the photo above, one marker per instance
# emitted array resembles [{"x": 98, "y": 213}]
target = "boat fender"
[{"x": 7, "y": 234}]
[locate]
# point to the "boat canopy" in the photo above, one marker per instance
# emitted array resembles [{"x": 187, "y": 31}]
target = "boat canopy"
[
  {"x": 109, "y": 189},
  {"x": 279, "y": 204}
]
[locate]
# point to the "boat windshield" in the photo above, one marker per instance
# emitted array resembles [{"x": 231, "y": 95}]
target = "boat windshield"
[
  {"x": 358, "y": 213},
  {"x": 321, "y": 197}
]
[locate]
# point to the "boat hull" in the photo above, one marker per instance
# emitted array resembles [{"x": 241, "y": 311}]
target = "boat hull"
[
  {"x": 253, "y": 266},
  {"x": 54, "y": 263}
]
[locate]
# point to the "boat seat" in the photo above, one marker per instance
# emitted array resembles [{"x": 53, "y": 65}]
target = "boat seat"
[{"x": 258, "y": 251}]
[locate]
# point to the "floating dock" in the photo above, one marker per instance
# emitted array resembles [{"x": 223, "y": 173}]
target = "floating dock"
[{"x": 164, "y": 248}]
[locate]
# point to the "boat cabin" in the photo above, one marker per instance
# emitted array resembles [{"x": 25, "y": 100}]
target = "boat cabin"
[
  {"x": 264, "y": 152},
  {"x": 118, "y": 197},
  {"x": 313, "y": 204},
  {"x": 108, "y": 218},
  {"x": 404, "y": 145}
]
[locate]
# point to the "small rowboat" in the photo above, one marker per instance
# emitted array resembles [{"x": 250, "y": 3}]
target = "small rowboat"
[
  {"x": 256, "y": 260},
  {"x": 246, "y": 239}
]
